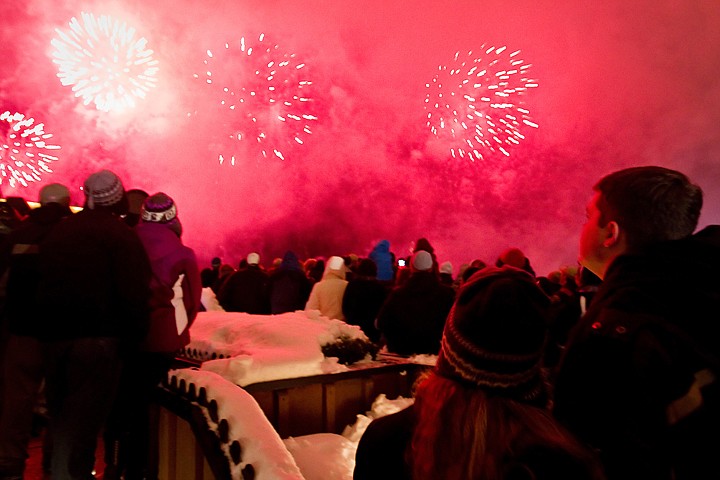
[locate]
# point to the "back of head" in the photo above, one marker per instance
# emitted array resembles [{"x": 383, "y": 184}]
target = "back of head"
[
  {"x": 54, "y": 193},
  {"x": 160, "y": 208},
  {"x": 650, "y": 204},
  {"x": 335, "y": 266},
  {"x": 367, "y": 268},
  {"x": 423, "y": 244},
  {"x": 104, "y": 190},
  {"x": 512, "y": 256},
  {"x": 421, "y": 261},
  {"x": 494, "y": 336},
  {"x": 253, "y": 258},
  {"x": 446, "y": 267}
]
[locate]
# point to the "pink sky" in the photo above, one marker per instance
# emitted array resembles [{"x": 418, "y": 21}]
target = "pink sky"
[{"x": 620, "y": 84}]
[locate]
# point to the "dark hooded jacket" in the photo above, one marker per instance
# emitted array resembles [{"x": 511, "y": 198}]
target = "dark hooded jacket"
[
  {"x": 95, "y": 278},
  {"x": 413, "y": 316},
  {"x": 639, "y": 379},
  {"x": 288, "y": 286},
  {"x": 19, "y": 258},
  {"x": 246, "y": 291}
]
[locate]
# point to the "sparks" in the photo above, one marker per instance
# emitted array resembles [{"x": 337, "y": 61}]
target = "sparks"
[
  {"x": 476, "y": 103},
  {"x": 104, "y": 62},
  {"x": 25, "y": 151},
  {"x": 261, "y": 94}
]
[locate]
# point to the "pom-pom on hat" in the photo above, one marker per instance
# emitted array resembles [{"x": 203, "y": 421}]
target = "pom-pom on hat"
[
  {"x": 103, "y": 189},
  {"x": 160, "y": 208},
  {"x": 54, "y": 193},
  {"x": 494, "y": 336},
  {"x": 422, "y": 261},
  {"x": 253, "y": 258}
]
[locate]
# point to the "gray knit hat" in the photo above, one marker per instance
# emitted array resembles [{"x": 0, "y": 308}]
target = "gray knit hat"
[{"x": 103, "y": 189}]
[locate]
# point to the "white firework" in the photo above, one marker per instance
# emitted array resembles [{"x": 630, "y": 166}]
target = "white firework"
[
  {"x": 105, "y": 62},
  {"x": 262, "y": 95},
  {"x": 25, "y": 154},
  {"x": 476, "y": 103}
]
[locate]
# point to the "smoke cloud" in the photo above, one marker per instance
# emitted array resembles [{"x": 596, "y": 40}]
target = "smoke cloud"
[{"x": 620, "y": 84}]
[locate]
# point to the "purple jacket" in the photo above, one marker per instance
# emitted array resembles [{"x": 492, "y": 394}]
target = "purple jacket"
[{"x": 175, "y": 301}]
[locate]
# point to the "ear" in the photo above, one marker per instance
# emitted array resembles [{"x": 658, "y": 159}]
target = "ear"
[{"x": 612, "y": 234}]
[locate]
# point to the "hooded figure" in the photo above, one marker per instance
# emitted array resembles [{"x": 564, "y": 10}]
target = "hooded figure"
[
  {"x": 327, "y": 294},
  {"x": 288, "y": 285},
  {"x": 384, "y": 260}
]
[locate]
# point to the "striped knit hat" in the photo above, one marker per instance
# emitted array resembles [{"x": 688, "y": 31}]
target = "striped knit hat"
[
  {"x": 103, "y": 189},
  {"x": 160, "y": 208},
  {"x": 495, "y": 334}
]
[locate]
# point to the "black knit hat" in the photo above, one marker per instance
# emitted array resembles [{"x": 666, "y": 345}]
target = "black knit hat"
[{"x": 495, "y": 334}]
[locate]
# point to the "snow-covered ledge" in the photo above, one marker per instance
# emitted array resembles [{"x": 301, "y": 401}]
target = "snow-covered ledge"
[{"x": 252, "y": 446}]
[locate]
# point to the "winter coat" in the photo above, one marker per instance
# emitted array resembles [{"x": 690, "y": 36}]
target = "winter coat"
[
  {"x": 327, "y": 294},
  {"x": 361, "y": 304},
  {"x": 413, "y": 316},
  {"x": 288, "y": 286},
  {"x": 19, "y": 259},
  {"x": 95, "y": 279},
  {"x": 246, "y": 291},
  {"x": 176, "y": 288},
  {"x": 383, "y": 259},
  {"x": 639, "y": 378}
]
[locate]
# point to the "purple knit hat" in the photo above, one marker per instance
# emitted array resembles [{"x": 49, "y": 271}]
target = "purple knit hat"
[
  {"x": 494, "y": 336},
  {"x": 160, "y": 208}
]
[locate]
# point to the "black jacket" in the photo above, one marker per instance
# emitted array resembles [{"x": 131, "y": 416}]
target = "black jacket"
[
  {"x": 413, "y": 316},
  {"x": 246, "y": 291},
  {"x": 651, "y": 330},
  {"x": 95, "y": 279},
  {"x": 19, "y": 259}
]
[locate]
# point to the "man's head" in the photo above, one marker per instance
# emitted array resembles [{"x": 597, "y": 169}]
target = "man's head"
[
  {"x": 104, "y": 190},
  {"x": 635, "y": 207},
  {"x": 55, "y": 193}
]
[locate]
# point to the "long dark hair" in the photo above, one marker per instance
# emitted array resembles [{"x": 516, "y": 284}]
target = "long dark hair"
[{"x": 462, "y": 432}]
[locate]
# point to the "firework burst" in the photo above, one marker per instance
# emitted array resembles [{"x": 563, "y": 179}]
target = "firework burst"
[
  {"x": 104, "y": 62},
  {"x": 262, "y": 95},
  {"x": 25, "y": 153},
  {"x": 476, "y": 104}
]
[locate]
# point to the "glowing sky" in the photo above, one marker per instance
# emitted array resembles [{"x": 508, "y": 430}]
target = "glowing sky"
[{"x": 620, "y": 84}]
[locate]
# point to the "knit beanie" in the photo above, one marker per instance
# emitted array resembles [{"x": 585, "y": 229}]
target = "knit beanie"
[
  {"x": 421, "y": 261},
  {"x": 494, "y": 336},
  {"x": 103, "y": 189},
  {"x": 160, "y": 208},
  {"x": 54, "y": 193}
]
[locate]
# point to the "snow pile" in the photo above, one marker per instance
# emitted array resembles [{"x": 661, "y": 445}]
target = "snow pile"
[{"x": 247, "y": 349}]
